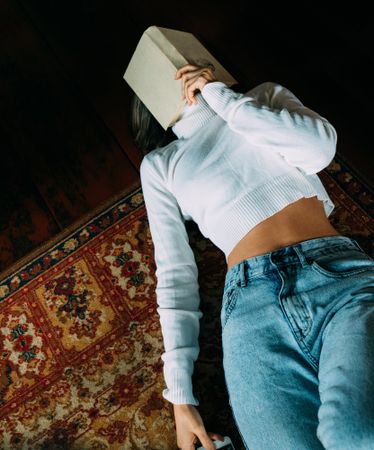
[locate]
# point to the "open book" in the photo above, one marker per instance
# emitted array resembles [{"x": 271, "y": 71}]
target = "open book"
[{"x": 151, "y": 70}]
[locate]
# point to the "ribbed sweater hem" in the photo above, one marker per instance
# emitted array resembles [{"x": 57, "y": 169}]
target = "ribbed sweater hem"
[{"x": 237, "y": 219}]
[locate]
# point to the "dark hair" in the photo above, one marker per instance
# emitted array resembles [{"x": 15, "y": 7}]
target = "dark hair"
[{"x": 147, "y": 133}]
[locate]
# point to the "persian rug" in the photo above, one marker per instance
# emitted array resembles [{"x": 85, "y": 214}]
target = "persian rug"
[{"x": 80, "y": 336}]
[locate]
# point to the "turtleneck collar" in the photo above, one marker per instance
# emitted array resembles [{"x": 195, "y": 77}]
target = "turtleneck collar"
[{"x": 193, "y": 117}]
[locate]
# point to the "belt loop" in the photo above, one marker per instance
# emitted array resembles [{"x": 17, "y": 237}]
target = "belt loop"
[
  {"x": 243, "y": 281},
  {"x": 302, "y": 258}
]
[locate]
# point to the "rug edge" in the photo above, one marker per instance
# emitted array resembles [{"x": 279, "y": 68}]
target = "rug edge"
[
  {"x": 355, "y": 172},
  {"x": 36, "y": 252}
]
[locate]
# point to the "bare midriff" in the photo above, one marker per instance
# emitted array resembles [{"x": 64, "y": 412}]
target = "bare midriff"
[{"x": 302, "y": 220}]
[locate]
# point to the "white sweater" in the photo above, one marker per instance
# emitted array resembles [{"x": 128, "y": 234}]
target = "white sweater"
[{"x": 239, "y": 158}]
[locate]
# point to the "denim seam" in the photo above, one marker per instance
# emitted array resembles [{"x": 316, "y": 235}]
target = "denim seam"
[
  {"x": 235, "y": 281},
  {"x": 231, "y": 300},
  {"x": 313, "y": 361},
  {"x": 328, "y": 250},
  {"x": 303, "y": 316},
  {"x": 232, "y": 411},
  {"x": 236, "y": 423},
  {"x": 298, "y": 338},
  {"x": 315, "y": 266}
]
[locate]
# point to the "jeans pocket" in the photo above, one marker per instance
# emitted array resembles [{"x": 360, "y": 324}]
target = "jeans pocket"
[
  {"x": 228, "y": 303},
  {"x": 340, "y": 264}
]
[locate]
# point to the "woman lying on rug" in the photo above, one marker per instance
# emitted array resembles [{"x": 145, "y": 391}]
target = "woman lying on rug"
[{"x": 298, "y": 304}]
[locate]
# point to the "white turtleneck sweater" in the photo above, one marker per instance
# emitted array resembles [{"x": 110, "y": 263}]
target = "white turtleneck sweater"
[{"x": 239, "y": 158}]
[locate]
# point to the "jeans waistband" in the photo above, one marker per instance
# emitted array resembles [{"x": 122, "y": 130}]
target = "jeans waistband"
[{"x": 257, "y": 265}]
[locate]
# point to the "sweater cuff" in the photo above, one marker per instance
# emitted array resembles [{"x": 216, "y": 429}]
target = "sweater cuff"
[
  {"x": 221, "y": 97},
  {"x": 179, "y": 389}
]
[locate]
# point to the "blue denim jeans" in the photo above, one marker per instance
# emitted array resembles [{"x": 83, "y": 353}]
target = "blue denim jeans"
[{"x": 298, "y": 346}]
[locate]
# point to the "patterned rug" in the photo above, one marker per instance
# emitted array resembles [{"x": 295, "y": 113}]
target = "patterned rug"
[{"x": 80, "y": 337}]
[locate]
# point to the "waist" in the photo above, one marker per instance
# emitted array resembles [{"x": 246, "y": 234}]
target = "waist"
[
  {"x": 299, "y": 221},
  {"x": 286, "y": 256}
]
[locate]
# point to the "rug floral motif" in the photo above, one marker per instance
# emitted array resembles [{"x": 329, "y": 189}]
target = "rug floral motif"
[{"x": 80, "y": 337}]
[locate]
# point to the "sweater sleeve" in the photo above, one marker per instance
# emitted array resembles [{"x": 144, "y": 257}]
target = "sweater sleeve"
[
  {"x": 273, "y": 118},
  {"x": 177, "y": 289}
]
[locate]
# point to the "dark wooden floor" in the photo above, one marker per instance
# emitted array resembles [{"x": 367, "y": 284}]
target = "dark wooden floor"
[{"x": 64, "y": 105}]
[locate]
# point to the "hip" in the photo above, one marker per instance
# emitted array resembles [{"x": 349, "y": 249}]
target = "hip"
[{"x": 308, "y": 281}]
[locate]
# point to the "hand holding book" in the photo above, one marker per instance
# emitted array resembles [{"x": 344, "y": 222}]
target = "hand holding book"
[{"x": 194, "y": 78}]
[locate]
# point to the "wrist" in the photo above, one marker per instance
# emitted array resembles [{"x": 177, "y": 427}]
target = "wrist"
[
  {"x": 213, "y": 81},
  {"x": 182, "y": 405}
]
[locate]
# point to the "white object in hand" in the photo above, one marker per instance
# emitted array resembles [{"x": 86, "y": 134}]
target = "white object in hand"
[{"x": 225, "y": 445}]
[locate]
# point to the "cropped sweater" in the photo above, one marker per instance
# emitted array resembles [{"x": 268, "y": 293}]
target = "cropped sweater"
[{"x": 239, "y": 158}]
